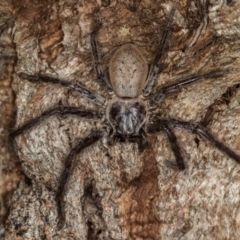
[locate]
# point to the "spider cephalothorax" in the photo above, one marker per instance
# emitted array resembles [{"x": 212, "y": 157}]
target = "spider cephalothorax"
[
  {"x": 126, "y": 117},
  {"x": 128, "y": 110}
]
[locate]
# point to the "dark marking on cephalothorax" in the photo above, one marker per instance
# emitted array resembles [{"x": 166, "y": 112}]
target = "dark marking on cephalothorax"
[{"x": 126, "y": 117}]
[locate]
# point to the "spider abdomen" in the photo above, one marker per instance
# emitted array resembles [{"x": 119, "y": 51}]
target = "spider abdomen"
[{"x": 128, "y": 71}]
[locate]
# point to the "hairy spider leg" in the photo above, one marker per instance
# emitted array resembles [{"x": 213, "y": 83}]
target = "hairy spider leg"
[
  {"x": 59, "y": 110},
  {"x": 158, "y": 124},
  {"x": 75, "y": 87},
  {"x": 141, "y": 140},
  {"x": 97, "y": 65},
  {"x": 172, "y": 139},
  {"x": 160, "y": 94},
  {"x": 84, "y": 143},
  {"x": 225, "y": 99},
  {"x": 154, "y": 69},
  {"x": 175, "y": 148}
]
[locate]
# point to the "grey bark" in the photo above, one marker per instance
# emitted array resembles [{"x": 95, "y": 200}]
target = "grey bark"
[{"x": 10, "y": 170}]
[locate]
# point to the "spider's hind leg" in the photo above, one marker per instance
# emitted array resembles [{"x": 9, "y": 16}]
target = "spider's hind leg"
[
  {"x": 160, "y": 94},
  {"x": 94, "y": 97},
  {"x": 97, "y": 65},
  {"x": 154, "y": 69}
]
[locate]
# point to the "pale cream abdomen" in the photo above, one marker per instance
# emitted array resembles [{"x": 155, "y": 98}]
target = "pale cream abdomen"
[{"x": 128, "y": 71}]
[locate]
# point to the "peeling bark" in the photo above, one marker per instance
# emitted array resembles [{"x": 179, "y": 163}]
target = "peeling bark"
[{"x": 116, "y": 192}]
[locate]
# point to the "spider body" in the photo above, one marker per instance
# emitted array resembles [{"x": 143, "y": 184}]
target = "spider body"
[
  {"x": 127, "y": 116},
  {"x": 128, "y": 111}
]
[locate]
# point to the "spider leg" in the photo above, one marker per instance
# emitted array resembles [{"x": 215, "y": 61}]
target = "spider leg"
[
  {"x": 175, "y": 148},
  {"x": 159, "y": 95},
  {"x": 158, "y": 124},
  {"x": 84, "y": 143},
  {"x": 140, "y": 139},
  {"x": 143, "y": 142},
  {"x": 76, "y": 87},
  {"x": 97, "y": 65},
  {"x": 59, "y": 110},
  {"x": 154, "y": 69},
  {"x": 163, "y": 126}
]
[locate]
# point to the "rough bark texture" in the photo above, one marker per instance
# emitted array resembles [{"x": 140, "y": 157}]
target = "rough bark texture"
[
  {"x": 115, "y": 192},
  {"x": 10, "y": 171}
]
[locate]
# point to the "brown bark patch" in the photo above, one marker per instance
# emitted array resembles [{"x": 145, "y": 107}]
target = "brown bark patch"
[{"x": 137, "y": 203}]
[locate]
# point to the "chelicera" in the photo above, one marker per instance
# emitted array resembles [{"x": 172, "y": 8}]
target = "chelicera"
[{"x": 129, "y": 108}]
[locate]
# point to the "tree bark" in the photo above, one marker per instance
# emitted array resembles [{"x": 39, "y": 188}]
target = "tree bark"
[
  {"x": 10, "y": 169},
  {"x": 117, "y": 192}
]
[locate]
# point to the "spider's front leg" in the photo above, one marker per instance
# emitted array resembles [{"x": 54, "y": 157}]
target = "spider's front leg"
[
  {"x": 159, "y": 124},
  {"x": 204, "y": 133},
  {"x": 163, "y": 126},
  {"x": 84, "y": 143},
  {"x": 89, "y": 140},
  {"x": 175, "y": 148},
  {"x": 59, "y": 110}
]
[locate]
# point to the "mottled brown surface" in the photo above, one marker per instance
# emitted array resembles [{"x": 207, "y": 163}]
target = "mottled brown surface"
[
  {"x": 115, "y": 192},
  {"x": 10, "y": 172},
  {"x": 9, "y": 166},
  {"x": 138, "y": 200}
]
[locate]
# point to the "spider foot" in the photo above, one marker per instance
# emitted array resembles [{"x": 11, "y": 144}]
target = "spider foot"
[
  {"x": 60, "y": 213},
  {"x": 171, "y": 164}
]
